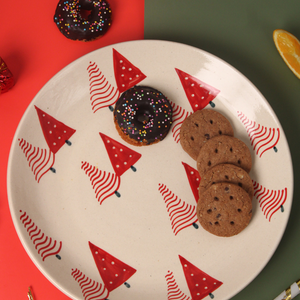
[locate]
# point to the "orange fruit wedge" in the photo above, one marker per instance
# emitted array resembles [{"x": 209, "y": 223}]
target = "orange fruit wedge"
[{"x": 289, "y": 48}]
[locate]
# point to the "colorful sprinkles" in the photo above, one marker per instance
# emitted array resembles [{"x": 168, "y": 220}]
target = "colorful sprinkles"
[
  {"x": 82, "y": 20},
  {"x": 144, "y": 114}
]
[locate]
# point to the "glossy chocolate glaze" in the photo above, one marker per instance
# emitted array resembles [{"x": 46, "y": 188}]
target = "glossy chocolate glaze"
[
  {"x": 83, "y": 19},
  {"x": 144, "y": 114}
]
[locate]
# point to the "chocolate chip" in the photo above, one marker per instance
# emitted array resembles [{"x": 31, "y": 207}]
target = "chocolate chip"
[
  {"x": 218, "y": 216},
  {"x": 207, "y": 136}
]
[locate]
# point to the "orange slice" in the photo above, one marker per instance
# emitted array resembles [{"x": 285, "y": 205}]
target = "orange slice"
[{"x": 289, "y": 48}]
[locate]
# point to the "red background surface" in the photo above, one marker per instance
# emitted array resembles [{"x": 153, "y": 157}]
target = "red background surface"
[{"x": 34, "y": 51}]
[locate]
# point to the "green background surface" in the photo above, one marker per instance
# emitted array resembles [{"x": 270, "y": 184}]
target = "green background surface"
[{"x": 240, "y": 32}]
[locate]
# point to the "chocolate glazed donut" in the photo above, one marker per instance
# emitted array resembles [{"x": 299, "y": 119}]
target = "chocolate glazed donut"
[
  {"x": 143, "y": 116},
  {"x": 83, "y": 20}
]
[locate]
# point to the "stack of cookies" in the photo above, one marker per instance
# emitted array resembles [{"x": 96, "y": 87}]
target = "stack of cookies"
[{"x": 225, "y": 193}]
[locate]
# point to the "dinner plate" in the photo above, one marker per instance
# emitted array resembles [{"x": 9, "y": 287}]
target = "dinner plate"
[{"x": 103, "y": 219}]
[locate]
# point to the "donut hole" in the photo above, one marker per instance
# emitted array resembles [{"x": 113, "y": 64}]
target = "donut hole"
[
  {"x": 85, "y": 14},
  {"x": 87, "y": 11},
  {"x": 144, "y": 118},
  {"x": 143, "y": 115}
]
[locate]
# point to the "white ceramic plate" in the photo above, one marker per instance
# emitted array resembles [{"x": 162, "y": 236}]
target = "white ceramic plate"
[{"x": 57, "y": 213}]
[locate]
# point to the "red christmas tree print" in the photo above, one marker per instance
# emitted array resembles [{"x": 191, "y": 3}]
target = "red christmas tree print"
[
  {"x": 56, "y": 135},
  {"x": 181, "y": 214},
  {"x": 104, "y": 183},
  {"x": 91, "y": 289},
  {"x": 174, "y": 291},
  {"x": 126, "y": 74},
  {"x": 122, "y": 158},
  {"x": 194, "y": 179},
  {"x": 113, "y": 271},
  {"x": 198, "y": 92},
  {"x": 199, "y": 283},
  {"x": 102, "y": 93},
  {"x": 39, "y": 160},
  {"x": 262, "y": 138},
  {"x": 45, "y": 245},
  {"x": 55, "y": 132},
  {"x": 270, "y": 201},
  {"x": 179, "y": 115}
]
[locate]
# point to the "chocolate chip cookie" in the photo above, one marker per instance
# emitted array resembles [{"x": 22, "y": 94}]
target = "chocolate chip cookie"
[
  {"x": 224, "y": 209},
  {"x": 223, "y": 149},
  {"x": 200, "y": 127},
  {"x": 227, "y": 173}
]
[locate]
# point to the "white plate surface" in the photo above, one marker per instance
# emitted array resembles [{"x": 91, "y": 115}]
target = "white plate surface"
[{"x": 56, "y": 215}]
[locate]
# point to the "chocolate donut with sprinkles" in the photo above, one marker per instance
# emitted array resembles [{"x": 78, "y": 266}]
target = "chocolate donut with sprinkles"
[
  {"x": 83, "y": 20},
  {"x": 143, "y": 116}
]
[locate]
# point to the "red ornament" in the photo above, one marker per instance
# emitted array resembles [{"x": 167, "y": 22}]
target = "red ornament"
[{"x": 6, "y": 77}]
